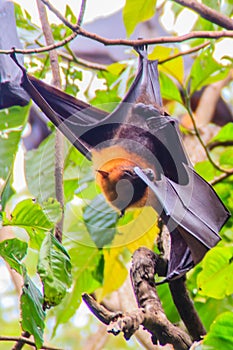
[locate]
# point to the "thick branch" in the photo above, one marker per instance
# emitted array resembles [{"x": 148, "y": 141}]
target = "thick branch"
[
  {"x": 155, "y": 321},
  {"x": 149, "y": 314},
  {"x": 207, "y": 13},
  {"x": 186, "y": 308}
]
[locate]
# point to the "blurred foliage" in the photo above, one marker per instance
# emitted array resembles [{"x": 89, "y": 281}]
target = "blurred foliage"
[{"x": 97, "y": 244}]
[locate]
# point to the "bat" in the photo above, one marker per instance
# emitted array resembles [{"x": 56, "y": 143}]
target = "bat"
[
  {"x": 139, "y": 160},
  {"x": 11, "y": 93}
]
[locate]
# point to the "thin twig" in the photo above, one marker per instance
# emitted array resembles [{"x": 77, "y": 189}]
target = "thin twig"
[
  {"x": 198, "y": 135},
  {"x": 207, "y": 13},
  {"x": 26, "y": 341},
  {"x": 184, "y": 53},
  {"x": 70, "y": 56},
  {"x": 221, "y": 177},
  {"x": 81, "y": 13},
  {"x": 215, "y": 144}
]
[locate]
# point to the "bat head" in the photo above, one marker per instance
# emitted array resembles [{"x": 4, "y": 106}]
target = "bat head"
[{"x": 120, "y": 184}]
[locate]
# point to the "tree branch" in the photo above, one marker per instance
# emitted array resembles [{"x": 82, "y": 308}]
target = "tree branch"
[
  {"x": 59, "y": 156},
  {"x": 149, "y": 313},
  {"x": 25, "y": 341},
  {"x": 207, "y": 13},
  {"x": 221, "y": 177},
  {"x": 186, "y": 308},
  {"x": 124, "y": 42}
]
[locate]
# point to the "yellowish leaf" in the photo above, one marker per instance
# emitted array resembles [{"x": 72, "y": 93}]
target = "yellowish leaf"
[{"x": 174, "y": 67}]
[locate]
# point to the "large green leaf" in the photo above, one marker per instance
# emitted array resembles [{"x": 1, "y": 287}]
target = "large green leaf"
[
  {"x": 32, "y": 312},
  {"x": 225, "y": 134},
  {"x": 220, "y": 335},
  {"x": 30, "y": 215},
  {"x": 169, "y": 90},
  {"x": 13, "y": 251},
  {"x": 85, "y": 261},
  {"x": 136, "y": 11},
  {"x": 215, "y": 279},
  {"x": 205, "y": 70},
  {"x": 100, "y": 220},
  {"x": 39, "y": 165},
  {"x": 54, "y": 268},
  {"x": 12, "y": 121}
]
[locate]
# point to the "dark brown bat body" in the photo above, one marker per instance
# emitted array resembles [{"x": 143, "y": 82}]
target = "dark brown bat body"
[{"x": 139, "y": 160}]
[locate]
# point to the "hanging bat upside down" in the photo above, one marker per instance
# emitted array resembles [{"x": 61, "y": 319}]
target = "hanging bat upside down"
[{"x": 139, "y": 160}]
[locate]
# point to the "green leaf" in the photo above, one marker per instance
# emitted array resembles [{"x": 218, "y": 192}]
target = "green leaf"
[
  {"x": 52, "y": 209},
  {"x": 54, "y": 268},
  {"x": 32, "y": 312},
  {"x": 100, "y": 220},
  {"x": 226, "y": 158},
  {"x": 12, "y": 121},
  {"x": 39, "y": 165},
  {"x": 220, "y": 334},
  {"x": 136, "y": 11},
  {"x": 85, "y": 261},
  {"x": 214, "y": 4},
  {"x": 215, "y": 279},
  {"x": 205, "y": 70},
  {"x": 13, "y": 251},
  {"x": 169, "y": 90},
  {"x": 206, "y": 170},
  {"x": 7, "y": 191},
  {"x": 225, "y": 134},
  {"x": 30, "y": 215}
]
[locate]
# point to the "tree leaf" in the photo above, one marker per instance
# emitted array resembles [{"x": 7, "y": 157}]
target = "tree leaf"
[
  {"x": 169, "y": 90},
  {"x": 54, "y": 268},
  {"x": 84, "y": 260},
  {"x": 30, "y": 215},
  {"x": 205, "y": 70},
  {"x": 12, "y": 121},
  {"x": 174, "y": 67},
  {"x": 215, "y": 279},
  {"x": 100, "y": 220},
  {"x": 225, "y": 134},
  {"x": 220, "y": 334},
  {"x": 32, "y": 312},
  {"x": 113, "y": 266},
  {"x": 13, "y": 251},
  {"x": 136, "y": 11},
  {"x": 39, "y": 165}
]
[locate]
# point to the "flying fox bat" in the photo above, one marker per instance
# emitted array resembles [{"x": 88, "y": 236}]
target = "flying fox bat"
[{"x": 139, "y": 160}]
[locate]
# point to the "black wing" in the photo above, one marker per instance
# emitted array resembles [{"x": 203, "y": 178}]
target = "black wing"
[
  {"x": 85, "y": 126},
  {"x": 11, "y": 93},
  {"x": 193, "y": 213}
]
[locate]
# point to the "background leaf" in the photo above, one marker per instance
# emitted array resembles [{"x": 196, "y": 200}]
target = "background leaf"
[
  {"x": 54, "y": 268},
  {"x": 220, "y": 335},
  {"x": 12, "y": 122},
  {"x": 32, "y": 312},
  {"x": 215, "y": 279},
  {"x": 13, "y": 251},
  {"x": 136, "y": 11}
]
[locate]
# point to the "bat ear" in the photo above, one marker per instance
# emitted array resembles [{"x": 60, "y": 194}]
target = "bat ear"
[{"x": 104, "y": 174}]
